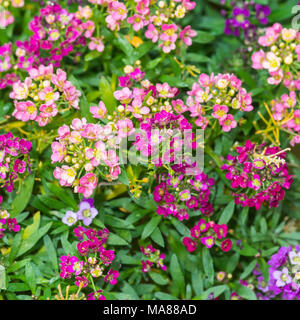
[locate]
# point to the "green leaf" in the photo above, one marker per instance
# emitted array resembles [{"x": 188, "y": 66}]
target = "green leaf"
[
  {"x": 157, "y": 237},
  {"x": 164, "y": 296},
  {"x": 17, "y": 265},
  {"x": 264, "y": 267},
  {"x": 173, "y": 81},
  {"x": 150, "y": 226},
  {"x": 248, "y": 269},
  {"x": 177, "y": 276},
  {"x": 116, "y": 222},
  {"x": 180, "y": 227},
  {"x": 248, "y": 251},
  {"x": 227, "y": 213},
  {"x": 18, "y": 287},
  {"x": 30, "y": 277},
  {"x": 15, "y": 247},
  {"x": 158, "y": 278},
  {"x": 68, "y": 248},
  {"x": 245, "y": 292},
  {"x": 51, "y": 251},
  {"x": 2, "y": 277},
  {"x": 142, "y": 50},
  {"x": 216, "y": 291},
  {"x": 107, "y": 95},
  {"x": 203, "y": 37},
  {"x": 29, "y": 243},
  {"x": 92, "y": 55},
  {"x": 197, "y": 57},
  {"x": 197, "y": 281},
  {"x": 124, "y": 45},
  {"x": 232, "y": 262},
  {"x": 153, "y": 63},
  {"x": 292, "y": 236},
  {"x": 32, "y": 228},
  {"x": 208, "y": 265},
  {"x": 23, "y": 197},
  {"x": 63, "y": 195},
  {"x": 115, "y": 240}
]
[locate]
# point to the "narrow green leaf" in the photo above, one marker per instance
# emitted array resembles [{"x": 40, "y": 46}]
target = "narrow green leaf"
[
  {"x": 157, "y": 237},
  {"x": 30, "y": 277},
  {"x": 164, "y": 296},
  {"x": 158, "y": 278},
  {"x": 51, "y": 252},
  {"x": 248, "y": 269},
  {"x": 150, "y": 226},
  {"x": 29, "y": 243},
  {"x": 245, "y": 292},
  {"x": 208, "y": 265},
  {"x": 23, "y": 197},
  {"x": 115, "y": 240},
  {"x": 227, "y": 213},
  {"x": 2, "y": 277},
  {"x": 177, "y": 275}
]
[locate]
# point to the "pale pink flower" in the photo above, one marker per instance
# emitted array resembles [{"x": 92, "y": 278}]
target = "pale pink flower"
[
  {"x": 99, "y": 154},
  {"x": 114, "y": 172},
  {"x": 89, "y": 180},
  {"x": 112, "y": 24},
  {"x": 272, "y": 62},
  {"x": 288, "y": 34},
  {"x": 220, "y": 112},
  {"x": 75, "y": 137},
  {"x": 169, "y": 32},
  {"x": 179, "y": 106},
  {"x": 187, "y": 34},
  {"x": 111, "y": 158},
  {"x": 58, "y": 152},
  {"x": 276, "y": 77},
  {"x": 125, "y": 128},
  {"x": 164, "y": 90},
  {"x": 20, "y": 90},
  {"x": 228, "y": 123},
  {"x": 42, "y": 121},
  {"x": 63, "y": 131},
  {"x": 41, "y": 71},
  {"x": 91, "y": 131},
  {"x": 89, "y": 26},
  {"x": 167, "y": 46},
  {"x": 257, "y": 59},
  {"x": 17, "y": 3},
  {"x": 96, "y": 44},
  {"x": 142, "y": 7},
  {"x": 98, "y": 112},
  {"x": 137, "y": 22},
  {"x": 152, "y": 33},
  {"x": 85, "y": 12},
  {"x": 118, "y": 10},
  {"x": 67, "y": 176},
  {"x": 48, "y": 110},
  {"x": 25, "y": 110},
  {"x": 290, "y": 99},
  {"x": 201, "y": 122},
  {"x": 59, "y": 78},
  {"x": 6, "y": 18},
  {"x": 48, "y": 95},
  {"x": 78, "y": 124},
  {"x": 123, "y": 95},
  {"x": 137, "y": 108}
]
